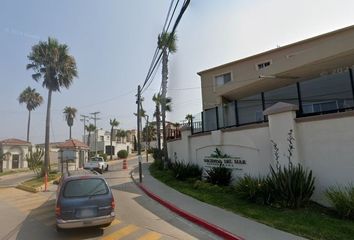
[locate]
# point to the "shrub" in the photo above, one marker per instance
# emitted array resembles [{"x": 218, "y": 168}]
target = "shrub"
[
  {"x": 219, "y": 175},
  {"x": 122, "y": 154},
  {"x": 157, "y": 154},
  {"x": 342, "y": 199},
  {"x": 254, "y": 189},
  {"x": 291, "y": 186},
  {"x": 35, "y": 162},
  {"x": 182, "y": 171},
  {"x": 103, "y": 155}
]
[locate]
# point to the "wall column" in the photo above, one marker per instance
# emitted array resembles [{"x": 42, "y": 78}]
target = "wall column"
[{"x": 281, "y": 118}]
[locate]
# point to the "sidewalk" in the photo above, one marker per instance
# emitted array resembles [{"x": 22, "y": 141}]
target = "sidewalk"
[{"x": 222, "y": 222}]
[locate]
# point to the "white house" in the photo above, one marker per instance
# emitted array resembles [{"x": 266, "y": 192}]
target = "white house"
[{"x": 15, "y": 151}]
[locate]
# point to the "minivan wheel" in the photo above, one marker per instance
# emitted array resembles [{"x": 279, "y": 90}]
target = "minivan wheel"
[{"x": 107, "y": 168}]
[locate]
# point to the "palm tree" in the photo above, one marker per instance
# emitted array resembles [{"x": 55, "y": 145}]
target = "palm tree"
[
  {"x": 89, "y": 128},
  {"x": 167, "y": 44},
  {"x": 70, "y": 114},
  {"x": 121, "y": 134},
  {"x": 157, "y": 114},
  {"x": 32, "y": 99},
  {"x": 52, "y": 63},
  {"x": 189, "y": 118},
  {"x": 114, "y": 123}
]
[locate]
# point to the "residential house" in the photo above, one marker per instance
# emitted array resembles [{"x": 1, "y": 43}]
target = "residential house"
[{"x": 15, "y": 151}]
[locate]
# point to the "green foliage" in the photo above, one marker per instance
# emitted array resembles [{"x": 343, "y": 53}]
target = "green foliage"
[
  {"x": 103, "y": 155},
  {"x": 219, "y": 175},
  {"x": 182, "y": 171},
  {"x": 157, "y": 154},
  {"x": 35, "y": 161},
  {"x": 291, "y": 186},
  {"x": 218, "y": 154},
  {"x": 254, "y": 189},
  {"x": 342, "y": 199},
  {"x": 122, "y": 154}
]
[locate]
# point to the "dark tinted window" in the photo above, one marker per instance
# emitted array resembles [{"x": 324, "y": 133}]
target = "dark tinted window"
[
  {"x": 85, "y": 187},
  {"x": 250, "y": 109}
]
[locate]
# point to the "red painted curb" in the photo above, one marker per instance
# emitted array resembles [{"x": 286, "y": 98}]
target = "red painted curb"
[{"x": 201, "y": 222}]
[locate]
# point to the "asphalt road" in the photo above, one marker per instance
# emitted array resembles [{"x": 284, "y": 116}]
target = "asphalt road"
[{"x": 31, "y": 216}]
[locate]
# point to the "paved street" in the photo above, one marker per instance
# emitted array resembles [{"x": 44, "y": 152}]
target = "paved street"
[
  {"x": 14, "y": 179},
  {"x": 31, "y": 216}
]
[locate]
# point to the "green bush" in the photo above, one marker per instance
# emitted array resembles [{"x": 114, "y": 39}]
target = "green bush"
[
  {"x": 254, "y": 189},
  {"x": 157, "y": 154},
  {"x": 291, "y": 186},
  {"x": 342, "y": 199},
  {"x": 182, "y": 171},
  {"x": 219, "y": 175},
  {"x": 103, "y": 155},
  {"x": 122, "y": 154},
  {"x": 35, "y": 161}
]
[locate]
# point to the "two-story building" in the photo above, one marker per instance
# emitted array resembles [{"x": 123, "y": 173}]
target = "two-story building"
[{"x": 305, "y": 89}]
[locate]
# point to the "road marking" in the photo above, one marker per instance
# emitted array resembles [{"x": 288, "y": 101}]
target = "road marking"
[
  {"x": 121, "y": 233},
  {"x": 150, "y": 236},
  {"x": 115, "y": 222}
]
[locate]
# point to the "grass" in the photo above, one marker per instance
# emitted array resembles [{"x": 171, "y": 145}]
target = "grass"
[
  {"x": 313, "y": 222},
  {"x": 39, "y": 181},
  {"x": 13, "y": 172}
]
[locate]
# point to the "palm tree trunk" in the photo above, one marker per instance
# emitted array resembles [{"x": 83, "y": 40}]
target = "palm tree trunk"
[
  {"x": 111, "y": 141},
  {"x": 158, "y": 126},
  {"x": 69, "y": 132},
  {"x": 163, "y": 105},
  {"x": 28, "y": 125},
  {"x": 88, "y": 140},
  {"x": 47, "y": 128}
]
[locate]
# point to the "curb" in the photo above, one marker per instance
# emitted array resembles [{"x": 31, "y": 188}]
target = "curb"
[{"x": 201, "y": 222}]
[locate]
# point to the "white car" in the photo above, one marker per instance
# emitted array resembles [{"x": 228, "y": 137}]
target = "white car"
[{"x": 97, "y": 164}]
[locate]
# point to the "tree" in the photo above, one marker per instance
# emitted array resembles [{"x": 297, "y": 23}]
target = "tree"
[
  {"x": 114, "y": 123},
  {"x": 121, "y": 134},
  {"x": 167, "y": 44},
  {"x": 90, "y": 128},
  {"x": 70, "y": 114},
  {"x": 32, "y": 99},
  {"x": 189, "y": 118},
  {"x": 157, "y": 114},
  {"x": 35, "y": 161},
  {"x": 52, "y": 64}
]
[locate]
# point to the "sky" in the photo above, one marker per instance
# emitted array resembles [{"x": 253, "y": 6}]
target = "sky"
[{"x": 113, "y": 42}]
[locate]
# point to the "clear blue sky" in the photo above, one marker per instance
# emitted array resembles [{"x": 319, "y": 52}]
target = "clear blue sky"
[{"x": 113, "y": 43}]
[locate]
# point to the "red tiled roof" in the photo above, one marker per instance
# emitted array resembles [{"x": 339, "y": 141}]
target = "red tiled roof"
[
  {"x": 73, "y": 143},
  {"x": 14, "y": 141}
]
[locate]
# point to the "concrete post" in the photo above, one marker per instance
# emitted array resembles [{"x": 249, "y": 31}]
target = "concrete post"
[{"x": 281, "y": 127}]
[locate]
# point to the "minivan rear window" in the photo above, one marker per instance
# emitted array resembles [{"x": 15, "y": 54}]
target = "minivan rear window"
[{"x": 85, "y": 187}]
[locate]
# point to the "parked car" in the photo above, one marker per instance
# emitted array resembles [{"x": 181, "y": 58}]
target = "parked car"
[
  {"x": 97, "y": 164},
  {"x": 83, "y": 199}
]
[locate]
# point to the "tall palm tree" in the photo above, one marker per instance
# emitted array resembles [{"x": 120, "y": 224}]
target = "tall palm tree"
[
  {"x": 167, "y": 43},
  {"x": 32, "y": 99},
  {"x": 90, "y": 128},
  {"x": 52, "y": 64},
  {"x": 70, "y": 114},
  {"x": 114, "y": 123}
]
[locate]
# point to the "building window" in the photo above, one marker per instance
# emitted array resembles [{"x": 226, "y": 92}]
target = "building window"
[
  {"x": 222, "y": 79},
  {"x": 326, "y": 93},
  {"x": 250, "y": 109},
  {"x": 263, "y": 65}
]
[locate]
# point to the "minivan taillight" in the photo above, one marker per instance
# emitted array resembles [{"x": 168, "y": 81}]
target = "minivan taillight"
[
  {"x": 57, "y": 211},
  {"x": 113, "y": 204}
]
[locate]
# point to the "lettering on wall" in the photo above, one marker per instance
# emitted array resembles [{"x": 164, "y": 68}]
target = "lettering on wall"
[{"x": 217, "y": 158}]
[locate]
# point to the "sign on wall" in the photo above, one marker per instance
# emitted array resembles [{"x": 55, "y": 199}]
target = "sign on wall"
[{"x": 217, "y": 158}]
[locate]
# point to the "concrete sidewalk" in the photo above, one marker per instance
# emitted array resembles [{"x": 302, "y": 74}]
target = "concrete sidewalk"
[{"x": 226, "y": 224}]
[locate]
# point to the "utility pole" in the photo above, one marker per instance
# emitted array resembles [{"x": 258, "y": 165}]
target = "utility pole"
[
  {"x": 138, "y": 126},
  {"x": 95, "y": 118},
  {"x": 84, "y": 119},
  {"x": 147, "y": 138}
]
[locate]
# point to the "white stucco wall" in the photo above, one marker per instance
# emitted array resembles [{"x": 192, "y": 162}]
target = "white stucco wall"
[
  {"x": 324, "y": 145},
  {"x": 327, "y": 148}
]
